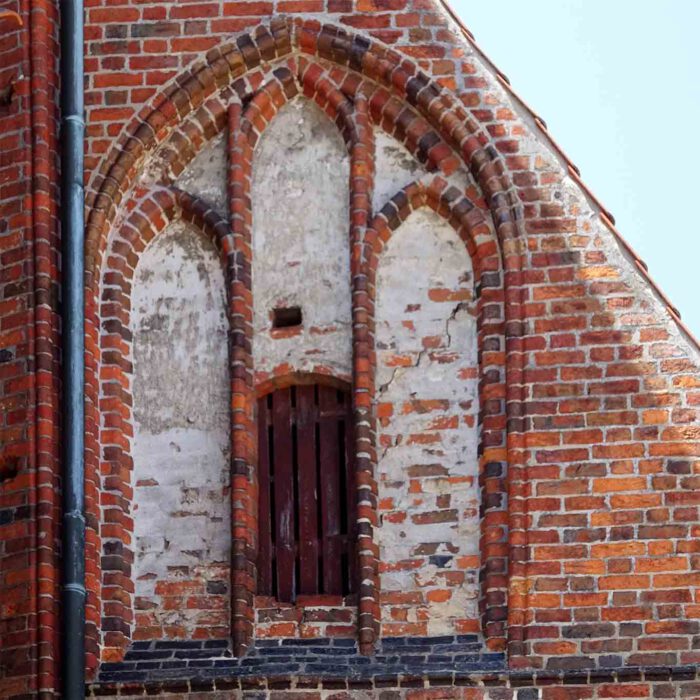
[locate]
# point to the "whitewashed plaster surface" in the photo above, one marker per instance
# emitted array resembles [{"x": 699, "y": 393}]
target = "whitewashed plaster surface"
[
  {"x": 426, "y": 392},
  {"x": 181, "y": 420},
  {"x": 205, "y": 176},
  {"x": 394, "y": 168},
  {"x": 301, "y": 249}
]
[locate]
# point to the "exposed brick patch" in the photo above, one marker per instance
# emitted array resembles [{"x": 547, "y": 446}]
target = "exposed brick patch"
[{"x": 469, "y": 223}]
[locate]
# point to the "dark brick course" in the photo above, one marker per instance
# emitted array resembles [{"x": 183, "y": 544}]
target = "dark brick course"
[
  {"x": 400, "y": 663},
  {"x": 336, "y": 659}
]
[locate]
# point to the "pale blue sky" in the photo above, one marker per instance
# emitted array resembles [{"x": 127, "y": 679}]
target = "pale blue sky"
[{"x": 618, "y": 83}]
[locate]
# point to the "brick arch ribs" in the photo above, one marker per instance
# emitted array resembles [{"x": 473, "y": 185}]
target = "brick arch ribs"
[{"x": 358, "y": 82}]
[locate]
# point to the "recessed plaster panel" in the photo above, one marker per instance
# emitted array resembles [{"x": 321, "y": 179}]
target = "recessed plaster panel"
[
  {"x": 427, "y": 432},
  {"x": 205, "y": 176},
  {"x": 394, "y": 168},
  {"x": 301, "y": 243},
  {"x": 181, "y": 438}
]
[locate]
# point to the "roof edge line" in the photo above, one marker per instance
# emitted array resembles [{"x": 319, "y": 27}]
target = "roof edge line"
[{"x": 605, "y": 215}]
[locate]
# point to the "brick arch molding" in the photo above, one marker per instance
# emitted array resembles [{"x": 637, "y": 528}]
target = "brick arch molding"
[{"x": 371, "y": 84}]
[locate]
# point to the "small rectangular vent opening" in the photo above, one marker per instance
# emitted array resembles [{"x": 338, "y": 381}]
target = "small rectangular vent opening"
[{"x": 287, "y": 317}]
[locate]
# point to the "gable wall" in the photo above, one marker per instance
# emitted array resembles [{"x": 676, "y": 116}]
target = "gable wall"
[
  {"x": 607, "y": 377},
  {"x": 608, "y": 440}
]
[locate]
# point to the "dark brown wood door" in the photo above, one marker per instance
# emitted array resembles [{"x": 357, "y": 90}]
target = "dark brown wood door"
[{"x": 307, "y": 492}]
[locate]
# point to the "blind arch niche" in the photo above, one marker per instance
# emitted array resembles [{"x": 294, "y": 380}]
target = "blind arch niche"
[
  {"x": 427, "y": 430},
  {"x": 181, "y": 439},
  {"x": 300, "y": 241}
]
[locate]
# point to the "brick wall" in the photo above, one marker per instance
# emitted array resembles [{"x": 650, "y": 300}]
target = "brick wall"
[
  {"x": 28, "y": 354},
  {"x": 16, "y": 460},
  {"x": 587, "y": 388},
  {"x": 174, "y": 395}
]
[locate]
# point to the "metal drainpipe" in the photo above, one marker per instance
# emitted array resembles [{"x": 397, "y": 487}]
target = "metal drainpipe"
[{"x": 73, "y": 315}]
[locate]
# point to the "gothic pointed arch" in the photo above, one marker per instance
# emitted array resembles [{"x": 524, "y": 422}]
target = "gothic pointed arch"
[{"x": 225, "y": 108}]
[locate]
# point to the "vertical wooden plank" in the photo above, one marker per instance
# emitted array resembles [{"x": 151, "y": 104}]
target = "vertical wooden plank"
[
  {"x": 264, "y": 510},
  {"x": 306, "y": 415},
  {"x": 330, "y": 496},
  {"x": 284, "y": 494}
]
